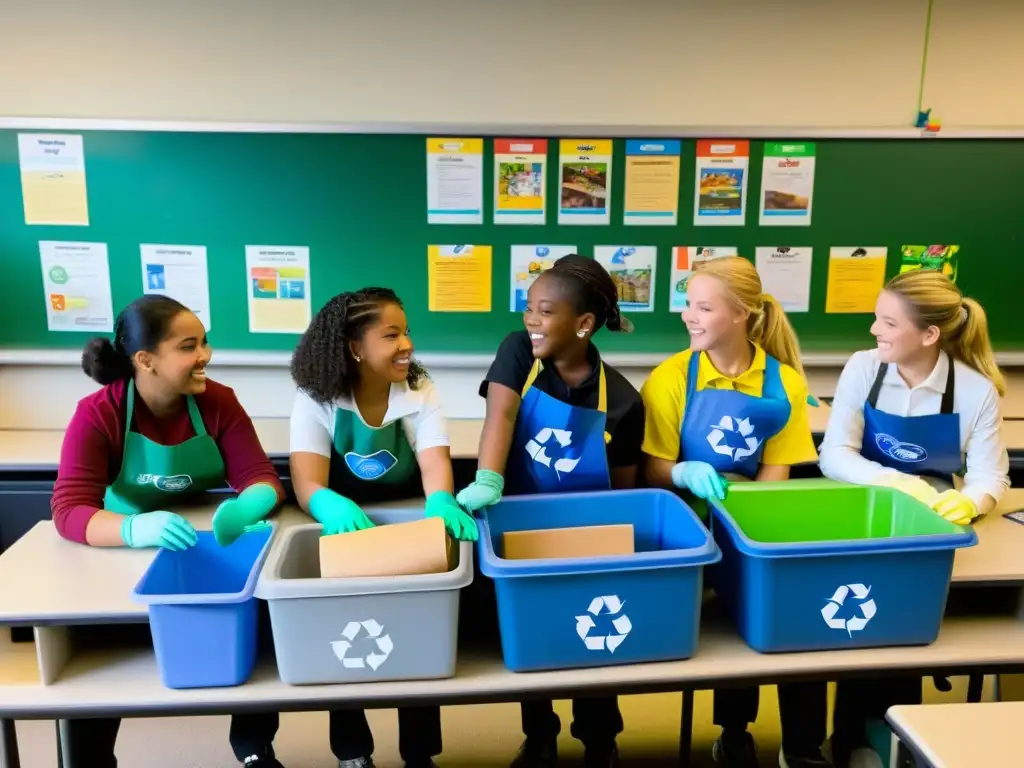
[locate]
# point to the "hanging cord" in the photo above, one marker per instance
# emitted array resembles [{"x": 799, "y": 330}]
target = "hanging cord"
[{"x": 924, "y": 57}]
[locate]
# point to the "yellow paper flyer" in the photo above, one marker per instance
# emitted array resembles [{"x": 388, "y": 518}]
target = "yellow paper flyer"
[
  {"x": 278, "y": 288},
  {"x": 855, "y": 278},
  {"x": 519, "y": 180},
  {"x": 652, "y": 182},
  {"x": 53, "y": 186},
  {"x": 459, "y": 278}
]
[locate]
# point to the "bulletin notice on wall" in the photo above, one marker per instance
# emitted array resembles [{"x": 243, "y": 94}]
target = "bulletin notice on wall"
[
  {"x": 53, "y": 185},
  {"x": 685, "y": 259},
  {"x": 520, "y": 180},
  {"x": 786, "y": 274},
  {"x": 585, "y": 181},
  {"x": 455, "y": 181},
  {"x": 527, "y": 264},
  {"x": 459, "y": 278},
  {"x": 279, "y": 288},
  {"x": 720, "y": 196},
  {"x": 76, "y": 284},
  {"x": 855, "y": 278},
  {"x": 178, "y": 271},
  {"x": 652, "y": 182},
  {"x": 632, "y": 268}
]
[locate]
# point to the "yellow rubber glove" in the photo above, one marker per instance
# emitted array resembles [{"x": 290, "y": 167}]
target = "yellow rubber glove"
[
  {"x": 955, "y": 507},
  {"x": 913, "y": 486}
]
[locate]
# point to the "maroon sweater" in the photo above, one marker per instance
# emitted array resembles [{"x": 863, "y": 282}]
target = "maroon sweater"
[{"x": 90, "y": 458}]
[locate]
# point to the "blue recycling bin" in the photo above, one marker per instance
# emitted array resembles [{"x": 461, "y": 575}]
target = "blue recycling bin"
[
  {"x": 202, "y": 613},
  {"x": 563, "y": 613}
]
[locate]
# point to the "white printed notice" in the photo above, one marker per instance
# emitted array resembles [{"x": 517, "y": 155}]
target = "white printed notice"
[
  {"x": 178, "y": 271},
  {"x": 786, "y": 274},
  {"x": 528, "y": 263},
  {"x": 455, "y": 181},
  {"x": 632, "y": 268},
  {"x": 685, "y": 259},
  {"x": 76, "y": 284},
  {"x": 787, "y": 185},
  {"x": 278, "y": 288}
]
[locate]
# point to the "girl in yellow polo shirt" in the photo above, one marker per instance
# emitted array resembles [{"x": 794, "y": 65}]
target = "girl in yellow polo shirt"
[{"x": 735, "y": 403}]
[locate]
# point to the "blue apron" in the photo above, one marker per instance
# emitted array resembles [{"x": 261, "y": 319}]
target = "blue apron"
[
  {"x": 728, "y": 429},
  {"x": 558, "y": 447},
  {"x": 917, "y": 445}
]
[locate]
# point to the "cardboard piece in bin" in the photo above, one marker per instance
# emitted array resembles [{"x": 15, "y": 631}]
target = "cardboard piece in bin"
[
  {"x": 400, "y": 549},
  {"x": 585, "y": 541}
]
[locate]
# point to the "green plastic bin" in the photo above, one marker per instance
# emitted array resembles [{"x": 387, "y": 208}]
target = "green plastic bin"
[{"x": 821, "y": 565}]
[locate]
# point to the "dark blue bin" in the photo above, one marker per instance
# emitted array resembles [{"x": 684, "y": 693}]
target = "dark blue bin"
[
  {"x": 864, "y": 567},
  {"x": 202, "y": 612},
  {"x": 600, "y": 611}
]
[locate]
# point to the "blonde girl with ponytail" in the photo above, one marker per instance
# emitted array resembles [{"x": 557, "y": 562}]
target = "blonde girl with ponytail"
[{"x": 735, "y": 403}]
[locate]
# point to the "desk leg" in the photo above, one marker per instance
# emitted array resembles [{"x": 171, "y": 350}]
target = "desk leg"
[
  {"x": 9, "y": 757},
  {"x": 686, "y": 730},
  {"x": 60, "y": 743}
]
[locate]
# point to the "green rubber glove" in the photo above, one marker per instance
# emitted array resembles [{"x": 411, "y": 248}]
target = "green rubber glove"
[
  {"x": 485, "y": 491},
  {"x": 459, "y": 523},
  {"x": 336, "y": 513},
  {"x": 243, "y": 513},
  {"x": 158, "y": 529}
]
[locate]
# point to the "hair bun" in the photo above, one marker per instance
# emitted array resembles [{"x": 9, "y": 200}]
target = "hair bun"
[
  {"x": 103, "y": 363},
  {"x": 616, "y": 322}
]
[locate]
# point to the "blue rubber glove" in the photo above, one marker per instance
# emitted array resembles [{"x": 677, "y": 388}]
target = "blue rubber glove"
[
  {"x": 336, "y": 513},
  {"x": 459, "y": 523},
  {"x": 244, "y": 513},
  {"x": 158, "y": 529},
  {"x": 700, "y": 478},
  {"x": 485, "y": 491}
]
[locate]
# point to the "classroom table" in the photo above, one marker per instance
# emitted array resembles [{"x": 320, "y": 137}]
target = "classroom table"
[
  {"x": 73, "y": 585},
  {"x": 959, "y": 735}
]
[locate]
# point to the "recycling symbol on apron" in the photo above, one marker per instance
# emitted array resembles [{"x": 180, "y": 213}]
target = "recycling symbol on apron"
[
  {"x": 537, "y": 451},
  {"x": 734, "y": 438}
]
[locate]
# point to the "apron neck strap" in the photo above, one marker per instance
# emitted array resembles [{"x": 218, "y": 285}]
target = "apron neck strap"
[
  {"x": 602, "y": 384},
  {"x": 193, "y": 412},
  {"x": 947, "y": 397}
]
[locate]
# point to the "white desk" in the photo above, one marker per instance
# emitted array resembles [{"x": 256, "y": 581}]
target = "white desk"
[{"x": 961, "y": 735}]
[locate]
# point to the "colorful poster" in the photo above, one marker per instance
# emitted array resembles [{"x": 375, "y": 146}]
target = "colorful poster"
[
  {"x": 855, "y": 278},
  {"x": 633, "y": 270},
  {"x": 53, "y": 186},
  {"x": 76, "y": 285},
  {"x": 720, "y": 198},
  {"x": 652, "y": 182},
  {"x": 941, "y": 257},
  {"x": 786, "y": 274},
  {"x": 585, "y": 181},
  {"x": 528, "y": 262},
  {"x": 520, "y": 180},
  {"x": 459, "y": 278},
  {"x": 455, "y": 181},
  {"x": 279, "y": 288},
  {"x": 685, "y": 259},
  {"x": 787, "y": 185},
  {"x": 178, "y": 271}
]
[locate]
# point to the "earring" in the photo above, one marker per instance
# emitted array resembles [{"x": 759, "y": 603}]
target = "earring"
[
  {"x": 358, "y": 359},
  {"x": 582, "y": 334}
]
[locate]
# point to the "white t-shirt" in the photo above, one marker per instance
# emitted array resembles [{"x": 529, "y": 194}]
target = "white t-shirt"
[
  {"x": 975, "y": 402},
  {"x": 312, "y": 424}
]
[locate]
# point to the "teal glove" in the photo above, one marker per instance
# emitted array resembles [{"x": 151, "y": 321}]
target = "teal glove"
[
  {"x": 158, "y": 529},
  {"x": 459, "y": 523},
  {"x": 243, "y": 513},
  {"x": 700, "y": 479},
  {"x": 485, "y": 491},
  {"x": 336, "y": 513}
]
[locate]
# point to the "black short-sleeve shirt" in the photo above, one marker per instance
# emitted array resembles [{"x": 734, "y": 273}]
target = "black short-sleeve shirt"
[{"x": 625, "y": 418}]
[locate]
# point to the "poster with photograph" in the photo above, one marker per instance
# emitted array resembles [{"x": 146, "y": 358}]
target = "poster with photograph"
[{"x": 632, "y": 267}]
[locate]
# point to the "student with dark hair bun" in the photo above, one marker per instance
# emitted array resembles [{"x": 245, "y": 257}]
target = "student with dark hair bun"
[
  {"x": 157, "y": 431},
  {"x": 548, "y": 374},
  {"x": 366, "y": 428}
]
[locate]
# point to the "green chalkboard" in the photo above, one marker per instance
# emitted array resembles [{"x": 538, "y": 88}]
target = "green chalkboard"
[{"x": 359, "y": 202}]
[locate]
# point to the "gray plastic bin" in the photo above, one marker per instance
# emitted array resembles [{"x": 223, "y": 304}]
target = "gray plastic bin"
[{"x": 360, "y": 629}]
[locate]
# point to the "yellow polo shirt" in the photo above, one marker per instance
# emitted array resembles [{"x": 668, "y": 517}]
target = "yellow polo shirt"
[{"x": 664, "y": 395}]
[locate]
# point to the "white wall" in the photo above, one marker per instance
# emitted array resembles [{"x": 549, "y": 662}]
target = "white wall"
[{"x": 801, "y": 63}]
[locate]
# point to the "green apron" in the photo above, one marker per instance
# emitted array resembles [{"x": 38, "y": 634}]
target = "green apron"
[
  {"x": 155, "y": 476},
  {"x": 372, "y": 463}
]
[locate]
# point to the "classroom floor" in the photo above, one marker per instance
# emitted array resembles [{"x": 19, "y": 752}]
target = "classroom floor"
[{"x": 480, "y": 736}]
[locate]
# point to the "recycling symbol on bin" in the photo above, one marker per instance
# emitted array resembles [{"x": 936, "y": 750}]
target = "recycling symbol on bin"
[
  {"x": 734, "y": 438},
  {"x": 374, "y": 658},
  {"x": 611, "y": 606},
  {"x": 855, "y": 623},
  {"x": 536, "y": 449}
]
